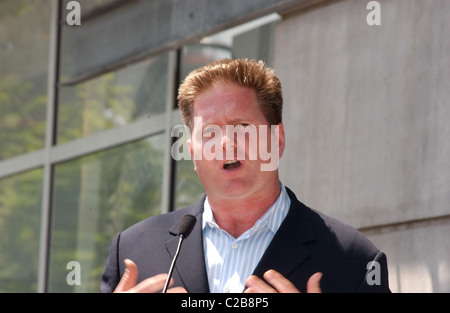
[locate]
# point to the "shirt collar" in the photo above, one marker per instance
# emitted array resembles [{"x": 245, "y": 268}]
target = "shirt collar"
[{"x": 273, "y": 217}]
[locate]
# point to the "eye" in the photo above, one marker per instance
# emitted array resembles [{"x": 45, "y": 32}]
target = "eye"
[{"x": 210, "y": 130}]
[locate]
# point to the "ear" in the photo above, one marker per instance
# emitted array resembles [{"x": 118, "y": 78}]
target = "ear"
[
  {"x": 281, "y": 139},
  {"x": 188, "y": 141},
  {"x": 191, "y": 152}
]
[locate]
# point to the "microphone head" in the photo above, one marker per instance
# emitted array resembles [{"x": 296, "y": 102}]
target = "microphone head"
[{"x": 186, "y": 225}]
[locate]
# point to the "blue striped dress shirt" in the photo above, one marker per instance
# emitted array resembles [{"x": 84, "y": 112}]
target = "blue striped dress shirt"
[{"x": 230, "y": 261}]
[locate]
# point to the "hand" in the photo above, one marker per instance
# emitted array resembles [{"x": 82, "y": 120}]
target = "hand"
[
  {"x": 278, "y": 283},
  {"x": 152, "y": 285}
]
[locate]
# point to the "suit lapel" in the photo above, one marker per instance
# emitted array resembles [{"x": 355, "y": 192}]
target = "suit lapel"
[
  {"x": 287, "y": 250},
  {"x": 284, "y": 254},
  {"x": 190, "y": 267}
]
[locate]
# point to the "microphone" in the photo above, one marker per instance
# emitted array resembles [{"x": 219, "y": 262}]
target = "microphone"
[{"x": 186, "y": 225}]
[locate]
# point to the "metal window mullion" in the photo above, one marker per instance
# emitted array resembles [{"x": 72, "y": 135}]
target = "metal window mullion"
[
  {"x": 21, "y": 163},
  {"x": 44, "y": 242},
  {"x": 168, "y": 162},
  {"x": 107, "y": 139}
]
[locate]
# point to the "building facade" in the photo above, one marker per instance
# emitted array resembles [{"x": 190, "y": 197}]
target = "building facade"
[{"x": 88, "y": 118}]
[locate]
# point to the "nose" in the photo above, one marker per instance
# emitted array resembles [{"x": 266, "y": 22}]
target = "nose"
[
  {"x": 228, "y": 141},
  {"x": 229, "y": 145}
]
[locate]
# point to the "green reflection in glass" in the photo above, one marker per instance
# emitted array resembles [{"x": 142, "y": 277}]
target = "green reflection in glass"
[
  {"x": 94, "y": 198},
  {"x": 20, "y": 214},
  {"x": 24, "y": 42},
  {"x": 188, "y": 187},
  {"x": 113, "y": 99}
]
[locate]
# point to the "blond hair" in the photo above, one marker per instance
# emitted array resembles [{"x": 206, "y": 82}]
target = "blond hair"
[{"x": 242, "y": 72}]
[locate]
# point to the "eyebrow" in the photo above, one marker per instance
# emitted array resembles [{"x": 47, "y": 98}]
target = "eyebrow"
[{"x": 232, "y": 122}]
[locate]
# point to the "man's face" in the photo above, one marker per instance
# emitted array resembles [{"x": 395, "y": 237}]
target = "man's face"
[{"x": 223, "y": 169}]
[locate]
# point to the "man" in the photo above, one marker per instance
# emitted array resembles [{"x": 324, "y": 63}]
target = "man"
[{"x": 252, "y": 234}]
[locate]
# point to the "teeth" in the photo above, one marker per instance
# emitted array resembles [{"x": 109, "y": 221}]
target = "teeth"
[{"x": 231, "y": 162}]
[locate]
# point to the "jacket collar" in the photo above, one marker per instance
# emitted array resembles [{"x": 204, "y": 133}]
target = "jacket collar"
[
  {"x": 287, "y": 250},
  {"x": 190, "y": 266},
  {"x": 284, "y": 254}
]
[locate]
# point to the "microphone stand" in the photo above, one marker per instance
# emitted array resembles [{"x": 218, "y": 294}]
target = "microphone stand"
[{"x": 172, "y": 266}]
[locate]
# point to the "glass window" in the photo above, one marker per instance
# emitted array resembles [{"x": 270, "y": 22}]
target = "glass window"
[
  {"x": 187, "y": 189},
  {"x": 201, "y": 53},
  {"x": 94, "y": 198},
  {"x": 112, "y": 99},
  {"x": 253, "y": 40},
  {"x": 20, "y": 216},
  {"x": 24, "y": 50}
]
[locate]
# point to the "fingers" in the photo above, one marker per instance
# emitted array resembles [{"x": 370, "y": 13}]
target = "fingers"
[
  {"x": 275, "y": 282},
  {"x": 257, "y": 285},
  {"x": 313, "y": 284},
  {"x": 129, "y": 277},
  {"x": 151, "y": 285},
  {"x": 279, "y": 282},
  {"x": 156, "y": 284},
  {"x": 177, "y": 290}
]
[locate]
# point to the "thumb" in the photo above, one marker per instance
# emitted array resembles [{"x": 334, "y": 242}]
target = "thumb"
[
  {"x": 129, "y": 277},
  {"x": 313, "y": 284}
]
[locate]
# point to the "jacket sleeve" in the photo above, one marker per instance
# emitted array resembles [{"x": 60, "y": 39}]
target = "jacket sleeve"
[
  {"x": 111, "y": 275},
  {"x": 376, "y": 279}
]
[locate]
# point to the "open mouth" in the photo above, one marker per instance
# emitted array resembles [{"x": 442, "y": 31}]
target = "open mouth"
[{"x": 231, "y": 165}]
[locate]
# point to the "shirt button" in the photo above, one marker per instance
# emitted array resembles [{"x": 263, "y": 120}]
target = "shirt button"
[
  {"x": 210, "y": 225},
  {"x": 226, "y": 290},
  {"x": 234, "y": 245}
]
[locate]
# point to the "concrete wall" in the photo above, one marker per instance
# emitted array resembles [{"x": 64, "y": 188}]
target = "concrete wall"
[
  {"x": 140, "y": 29},
  {"x": 367, "y": 111}
]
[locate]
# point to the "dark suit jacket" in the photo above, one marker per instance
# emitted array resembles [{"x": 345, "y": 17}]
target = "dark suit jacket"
[{"x": 307, "y": 242}]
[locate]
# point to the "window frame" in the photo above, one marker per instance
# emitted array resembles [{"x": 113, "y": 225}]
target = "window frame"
[{"x": 53, "y": 154}]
